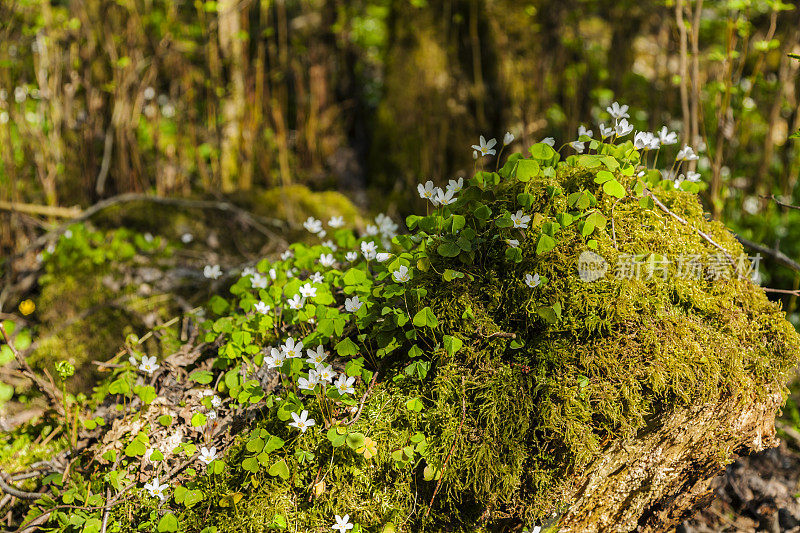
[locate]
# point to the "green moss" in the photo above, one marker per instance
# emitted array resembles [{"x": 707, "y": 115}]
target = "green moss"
[
  {"x": 295, "y": 203},
  {"x": 510, "y": 427}
]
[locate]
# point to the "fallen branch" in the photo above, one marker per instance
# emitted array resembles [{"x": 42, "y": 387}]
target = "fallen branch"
[
  {"x": 685, "y": 223},
  {"x": 776, "y": 254},
  {"x": 782, "y": 204},
  {"x": 14, "y": 491},
  {"x": 363, "y": 399},
  {"x": 43, "y": 210}
]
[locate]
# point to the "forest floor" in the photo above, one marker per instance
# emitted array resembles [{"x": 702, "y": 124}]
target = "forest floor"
[{"x": 758, "y": 493}]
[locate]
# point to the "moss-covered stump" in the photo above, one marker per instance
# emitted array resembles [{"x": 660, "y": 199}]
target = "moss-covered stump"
[
  {"x": 652, "y": 482},
  {"x": 482, "y": 377}
]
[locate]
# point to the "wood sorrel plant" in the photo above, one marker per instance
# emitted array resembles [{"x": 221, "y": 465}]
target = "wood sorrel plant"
[{"x": 459, "y": 375}]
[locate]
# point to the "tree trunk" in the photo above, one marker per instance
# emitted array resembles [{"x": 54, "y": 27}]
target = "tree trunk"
[{"x": 654, "y": 482}]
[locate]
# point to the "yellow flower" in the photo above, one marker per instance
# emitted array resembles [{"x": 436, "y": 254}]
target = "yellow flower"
[
  {"x": 27, "y": 307},
  {"x": 370, "y": 448}
]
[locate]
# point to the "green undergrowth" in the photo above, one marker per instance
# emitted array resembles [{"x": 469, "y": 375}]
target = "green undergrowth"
[{"x": 502, "y": 369}]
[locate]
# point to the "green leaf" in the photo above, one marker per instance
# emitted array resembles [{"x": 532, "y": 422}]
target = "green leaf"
[
  {"x": 355, "y": 440},
  {"x": 203, "y": 377},
  {"x": 545, "y": 244},
  {"x": 527, "y": 169},
  {"x": 165, "y": 420},
  {"x": 274, "y": 443},
  {"x": 450, "y": 275},
  {"x": 452, "y": 344},
  {"x": 448, "y": 249},
  {"x": 336, "y": 438},
  {"x": 603, "y": 176},
  {"x": 255, "y": 445},
  {"x": 168, "y": 522},
  {"x": 279, "y": 469},
  {"x": 346, "y": 347},
  {"x": 542, "y": 151},
  {"x": 551, "y": 314},
  {"x": 614, "y": 188},
  {"x": 425, "y": 317},
  {"x": 135, "y": 448},
  {"x": 795, "y": 135},
  {"x": 146, "y": 393},
  {"x": 415, "y": 404},
  {"x": 458, "y": 222},
  {"x": 199, "y": 419},
  {"x": 251, "y": 464},
  {"x": 482, "y": 213},
  {"x": 354, "y": 276}
]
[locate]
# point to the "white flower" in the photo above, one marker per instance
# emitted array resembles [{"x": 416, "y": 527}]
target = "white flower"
[
  {"x": 292, "y": 349},
  {"x": 316, "y": 357},
  {"x": 383, "y": 256},
  {"x": 211, "y": 415},
  {"x": 643, "y": 140},
  {"x": 308, "y": 291},
  {"x": 351, "y": 305},
  {"x": 302, "y": 422},
  {"x": 508, "y": 138},
  {"x": 212, "y": 271},
  {"x": 345, "y": 384},
  {"x": 455, "y": 185},
  {"x": 317, "y": 277},
  {"x": 618, "y": 111},
  {"x": 687, "y": 154},
  {"x": 548, "y": 141},
  {"x": 622, "y": 128},
  {"x": 474, "y": 154},
  {"x": 149, "y": 93},
  {"x": 261, "y": 307},
  {"x": 401, "y": 275},
  {"x": 275, "y": 359},
  {"x": 578, "y": 146},
  {"x": 371, "y": 230},
  {"x": 342, "y": 523},
  {"x": 326, "y": 260},
  {"x": 296, "y": 302},
  {"x": 156, "y": 489},
  {"x": 520, "y": 219},
  {"x": 693, "y": 176},
  {"x": 288, "y": 254},
  {"x": 605, "y": 132},
  {"x": 514, "y": 243},
  {"x": 532, "y": 281},
  {"x": 369, "y": 250},
  {"x": 273, "y": 274},
  {"x": 148, "y": 364},
  {"x": 336, "y": 222},
  {"x": 485, "y": 148},
  {"x": 148, "y": 237},
  {"x": 445, "y": 198},
  {"x": 667, "y": 137},
  {"x": 386, "y": 225},
  {"x": 307, "y": 384},
  {"x": 216, "y": 401},
  {"x": 258, "y": 281},
  {"x": 583, "y": 131},
  {"x": 133, "y": 361},
  {"x": 208, "y": 454},
  {"x": 330, "y": 244},
  {"x": 186, "y": 238},
  {"x": 351, "y": 256},
  {"x": 435, "y": 198},
  {"x": 425, "y": 192},
  {"x": 248, "y": 271},
  {"x": 4, "y": 117},
  {"x": 313, "y": 225},
  {"x": 325, "y": 372}
]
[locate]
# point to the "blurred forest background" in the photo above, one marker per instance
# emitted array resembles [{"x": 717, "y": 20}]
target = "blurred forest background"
[
  {"x": 230, "y": 98},
  {"x": 240, "y": 118}
]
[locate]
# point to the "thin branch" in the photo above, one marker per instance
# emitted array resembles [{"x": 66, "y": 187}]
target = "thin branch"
[
  {"x": 17, "y": 493},
  {"x": 363, "y": 399},
  {"x": 776, "y": 254},
  {"x": 782, "y": 204}
]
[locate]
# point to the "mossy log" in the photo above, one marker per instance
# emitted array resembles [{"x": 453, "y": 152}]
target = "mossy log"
[{"x": 653, "y": 482}]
